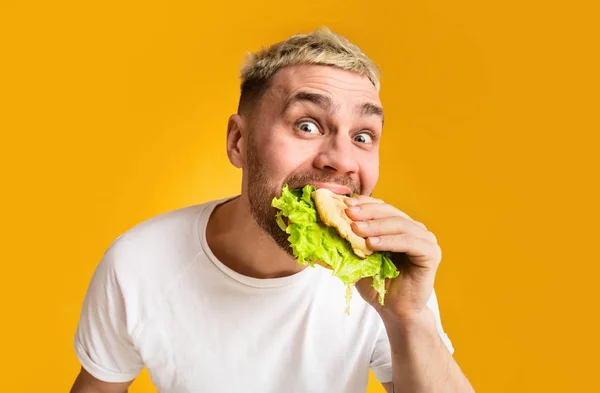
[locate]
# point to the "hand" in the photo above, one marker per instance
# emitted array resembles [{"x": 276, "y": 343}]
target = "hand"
[{"x": 415, "y": 253}]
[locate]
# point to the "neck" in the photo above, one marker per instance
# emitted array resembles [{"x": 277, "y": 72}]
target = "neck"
[{"x": 240, "y": 244}]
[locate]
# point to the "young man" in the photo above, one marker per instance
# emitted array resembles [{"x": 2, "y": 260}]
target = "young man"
[{"x": 210, "y": 298}]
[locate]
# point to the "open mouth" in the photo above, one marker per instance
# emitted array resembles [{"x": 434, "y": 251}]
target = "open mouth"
[{"x": 335, "y": 188}]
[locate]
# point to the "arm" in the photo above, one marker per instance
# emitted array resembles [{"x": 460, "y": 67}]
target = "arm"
[
  {"x": 86, "y": 383},
  {"x": 103, "y": 343},
  {"x": 421, "y": 362}
]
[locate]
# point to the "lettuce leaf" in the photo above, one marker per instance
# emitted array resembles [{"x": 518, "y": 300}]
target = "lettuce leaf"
[{"x": 313, "y": 241}]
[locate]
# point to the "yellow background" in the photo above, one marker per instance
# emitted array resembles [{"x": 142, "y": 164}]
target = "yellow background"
[{"x": 112, "y": 112}]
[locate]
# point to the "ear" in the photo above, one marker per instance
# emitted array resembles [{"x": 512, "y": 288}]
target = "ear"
[{"x": 235, "y": 141}]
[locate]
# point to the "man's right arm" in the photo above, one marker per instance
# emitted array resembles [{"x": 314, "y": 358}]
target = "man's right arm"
[
  {"x": 103, "y": 342},
  {"x": 86, "y": 383}
]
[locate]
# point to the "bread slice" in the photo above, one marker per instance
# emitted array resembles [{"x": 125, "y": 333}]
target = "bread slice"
[{"x": 331, "y": 208}]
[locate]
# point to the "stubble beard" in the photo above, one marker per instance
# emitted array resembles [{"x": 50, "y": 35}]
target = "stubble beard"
[{"x": 261, "y": 192}]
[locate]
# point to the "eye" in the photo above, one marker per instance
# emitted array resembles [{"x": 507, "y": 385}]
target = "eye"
[
  {"x": 308, "y": 127},
  {"x": 363, "y": 137}
]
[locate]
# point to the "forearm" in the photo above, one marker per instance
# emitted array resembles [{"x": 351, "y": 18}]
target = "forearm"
[
  {"x": 86, "y": 383},
  {"x": 421, "y": 363}
]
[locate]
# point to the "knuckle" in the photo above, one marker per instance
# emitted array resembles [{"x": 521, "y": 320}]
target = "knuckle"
[
  {"x": 438, "y": 253},
  {"x": 433, "y": 237},
  {"x": 407, "y": 241}
]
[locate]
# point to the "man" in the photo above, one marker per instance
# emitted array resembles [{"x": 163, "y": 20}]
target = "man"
[{"x": 210, "y": 299}]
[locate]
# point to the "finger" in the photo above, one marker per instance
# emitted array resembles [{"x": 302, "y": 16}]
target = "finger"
[
  {"x": 360, "y": 199},
  {"x": 416, "y": 248},
  {"x": 374, "y": 211},
  {"x": 392, "y": 226}
]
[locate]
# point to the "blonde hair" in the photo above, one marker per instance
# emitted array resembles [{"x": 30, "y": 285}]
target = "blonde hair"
[{"x": 320, "y": 47}]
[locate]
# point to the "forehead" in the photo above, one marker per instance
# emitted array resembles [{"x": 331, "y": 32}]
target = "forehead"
[{"x": 340, "y": 85}]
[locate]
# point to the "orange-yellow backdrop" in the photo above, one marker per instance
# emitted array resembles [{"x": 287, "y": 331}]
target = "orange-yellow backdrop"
[{"x": 113, "y": 112}]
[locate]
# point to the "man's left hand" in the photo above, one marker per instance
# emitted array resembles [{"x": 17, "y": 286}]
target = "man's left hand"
[{"x": 415, "y": 250}]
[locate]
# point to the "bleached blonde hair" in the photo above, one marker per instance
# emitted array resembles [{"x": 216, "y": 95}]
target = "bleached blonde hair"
[{"x": 320, "y": 47}]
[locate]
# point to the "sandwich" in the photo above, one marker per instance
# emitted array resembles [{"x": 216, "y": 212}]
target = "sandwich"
[{"x": 320, "y": 233}]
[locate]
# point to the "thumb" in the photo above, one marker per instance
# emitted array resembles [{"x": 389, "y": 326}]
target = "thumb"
[{"x": 365, "y": 288}]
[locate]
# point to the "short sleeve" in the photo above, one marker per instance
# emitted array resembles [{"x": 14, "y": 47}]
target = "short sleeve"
[
  {"x": 102, "y": 342},
  {"x": 381, "y": 360},
  {"x": 432, "y": 303}
]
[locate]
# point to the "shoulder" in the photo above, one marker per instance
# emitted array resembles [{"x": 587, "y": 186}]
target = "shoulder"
[
  {"x": 150, "y": 256},
  {"x": 157, "y": 231}
]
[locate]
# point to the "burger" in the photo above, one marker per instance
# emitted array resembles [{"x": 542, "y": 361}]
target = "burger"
[{"x": 320, "y": 233}]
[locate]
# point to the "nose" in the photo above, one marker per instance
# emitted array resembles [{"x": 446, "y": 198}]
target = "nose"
[{"x": 336, "y": 155}]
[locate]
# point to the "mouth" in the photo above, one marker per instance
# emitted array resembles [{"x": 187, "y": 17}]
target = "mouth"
[{"x": 335, "y": 188}]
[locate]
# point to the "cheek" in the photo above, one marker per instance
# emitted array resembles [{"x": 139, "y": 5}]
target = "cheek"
[
  {"x": 369, "y": 174},
  {"x": 282, "y": 156},
  {"x": 287, "y": 157}
]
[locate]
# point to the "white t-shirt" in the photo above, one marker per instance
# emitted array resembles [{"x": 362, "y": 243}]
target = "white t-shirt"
[{"x": 159, "y": 298}]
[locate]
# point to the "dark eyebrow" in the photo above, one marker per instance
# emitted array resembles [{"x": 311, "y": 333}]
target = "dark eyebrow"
[
  {"x": 324, "y": 102},
  {"x": 314, "y": 98},
  {"x": 368, "y": 109}
]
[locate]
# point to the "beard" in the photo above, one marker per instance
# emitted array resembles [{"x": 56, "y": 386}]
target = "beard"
[{"x": 262, "y": 190}]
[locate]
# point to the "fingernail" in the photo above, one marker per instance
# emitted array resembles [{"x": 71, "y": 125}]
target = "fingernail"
[
  {"x": 361, "y": 224},
  {"x": 354, "y": 209},
  {"x": 374, "y": 240},
  {"x": 351, "y": 201}
]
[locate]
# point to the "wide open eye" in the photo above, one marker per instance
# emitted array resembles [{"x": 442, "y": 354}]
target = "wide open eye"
[
  {"x": 308, "y": 127},
  {"x": 363, "y": 137}
]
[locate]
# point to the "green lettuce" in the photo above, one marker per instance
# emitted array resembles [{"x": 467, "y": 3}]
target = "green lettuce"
[{"x": 313, "y": 241}]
